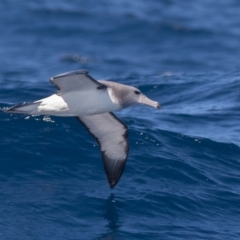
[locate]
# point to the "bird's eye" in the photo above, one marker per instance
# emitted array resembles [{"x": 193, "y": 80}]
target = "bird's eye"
[{"x": 136, "y": 92}]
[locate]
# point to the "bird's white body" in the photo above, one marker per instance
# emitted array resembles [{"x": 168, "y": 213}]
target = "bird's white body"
[{"x": 75, "y": 104}]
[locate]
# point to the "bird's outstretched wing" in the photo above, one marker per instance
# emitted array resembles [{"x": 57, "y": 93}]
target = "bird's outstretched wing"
[
  {"x": 111, "y": 134},
  {"x": 75, "y": 81}
]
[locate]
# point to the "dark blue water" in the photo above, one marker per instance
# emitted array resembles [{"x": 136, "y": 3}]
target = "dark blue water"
[{"x": 182, "y": 178}]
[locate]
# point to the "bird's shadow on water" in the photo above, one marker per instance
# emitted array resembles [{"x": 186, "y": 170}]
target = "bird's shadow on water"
[{"x": 110, "y": 213}]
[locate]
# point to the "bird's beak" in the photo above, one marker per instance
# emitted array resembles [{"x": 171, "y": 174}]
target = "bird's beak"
[{"x": 149, "y": 102}]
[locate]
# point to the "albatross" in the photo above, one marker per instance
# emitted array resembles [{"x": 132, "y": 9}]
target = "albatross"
[{"x": 92, "y": 102}]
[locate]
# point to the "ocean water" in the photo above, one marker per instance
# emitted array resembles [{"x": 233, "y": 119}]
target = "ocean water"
[{"x": 182, "y": 178}]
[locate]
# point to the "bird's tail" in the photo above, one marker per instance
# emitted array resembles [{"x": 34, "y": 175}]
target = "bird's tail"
[{"x": 25, "y": 108}]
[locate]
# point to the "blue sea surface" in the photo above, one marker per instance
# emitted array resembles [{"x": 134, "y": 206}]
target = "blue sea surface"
[{"x": 182, "y": 177}]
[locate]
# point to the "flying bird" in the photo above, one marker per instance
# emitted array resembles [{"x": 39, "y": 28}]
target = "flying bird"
[{"x": 92, "y": 103}]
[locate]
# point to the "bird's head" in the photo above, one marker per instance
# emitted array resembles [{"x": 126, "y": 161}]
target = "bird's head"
[
  {"x": 126, "y": 96},
  {"x": 135, "y": 96}
]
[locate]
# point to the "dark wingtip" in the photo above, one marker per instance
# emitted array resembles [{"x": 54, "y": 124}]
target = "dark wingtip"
[
  {"x": 8, "y": 110},
  {"x": 112, "y": 183},
  {"x": 113, "y": 172},
  {"x": 15, "y": 107}
]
